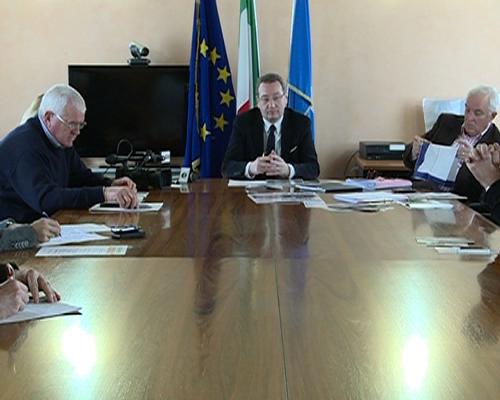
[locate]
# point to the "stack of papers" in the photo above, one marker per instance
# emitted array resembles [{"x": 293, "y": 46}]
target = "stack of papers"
[
  {"x": 82, "y": 251},
  {"x": 114, "y": 207},
  {"x": 435, "y": 196},
  {"x": 329, "y": 187},
  {"x": 380, "y": 183},
  {"x": 283, "y": 197},
  {"x": 269, "y": 183},
  {"x": 370, "y": 197},
  {"x": 428, "y": 205}
]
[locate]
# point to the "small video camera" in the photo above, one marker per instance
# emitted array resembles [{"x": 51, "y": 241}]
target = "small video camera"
[{"x": 127, "y": 232}]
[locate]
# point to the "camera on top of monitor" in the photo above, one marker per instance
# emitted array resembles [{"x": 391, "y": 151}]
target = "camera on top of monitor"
[{"x": 138, "y": 53}]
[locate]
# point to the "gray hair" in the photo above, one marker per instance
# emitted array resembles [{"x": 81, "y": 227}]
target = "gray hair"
[
  {"x": 271, "y": 78},
  {"x": 489, "y": 91},
  {"x": 58, "y": 97}
]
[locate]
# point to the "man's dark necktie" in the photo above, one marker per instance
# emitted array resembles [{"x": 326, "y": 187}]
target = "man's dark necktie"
[{"x": 270, "y": 140}]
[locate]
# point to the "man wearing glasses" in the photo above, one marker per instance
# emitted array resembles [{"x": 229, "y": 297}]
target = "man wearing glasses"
[
  {"x": 40, "y": 172},
  {"x": 271, "y": 141}
]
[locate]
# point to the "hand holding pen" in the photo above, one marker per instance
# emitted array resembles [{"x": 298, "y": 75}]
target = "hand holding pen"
[{"x": 46, "y": 228}]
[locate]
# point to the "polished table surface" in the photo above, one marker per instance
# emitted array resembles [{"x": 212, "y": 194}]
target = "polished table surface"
[{"x": 225, "y": 299}]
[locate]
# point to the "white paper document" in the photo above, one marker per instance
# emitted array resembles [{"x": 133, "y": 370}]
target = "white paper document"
[
  {"x": 283, "y": 197},
  {"x": 370, "y": 197},
  {"x": 437, "y": 163},
  {"x": 315, "y": 203},
  {"x": 87, "y": 227},
  {"x": 428, "y": 205},
  {"x": 41, "y": 310},
  {"x": 73, "y": 238},
  {"x": 113, "y": 208},
  {"x": 435, "y": 196},
  {"x": 78, "y": 233},
  {"x": 245, "y": 183},
  {"x": 81, "y": 251}
]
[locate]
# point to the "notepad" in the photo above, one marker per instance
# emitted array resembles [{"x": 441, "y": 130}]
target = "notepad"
[{"x": 114, "y": 207}]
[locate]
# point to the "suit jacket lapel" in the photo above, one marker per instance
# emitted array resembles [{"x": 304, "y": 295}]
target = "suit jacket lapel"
[
  {"x": 285, "y": 136},
  {"x": 259, "y": 134},
  {"x": 488, "y": 136}
]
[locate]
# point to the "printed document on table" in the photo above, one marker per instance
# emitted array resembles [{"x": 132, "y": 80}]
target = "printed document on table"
[
  {"x": 112, "y": 208},
  {"x": 82, "y": 251},
  {"x": 40, "y": 310},
  {"x": 282, "y": 197},
  {"x": 245, "y": 183},
  {"x": 86, "y": 227},
  {"x": 78, "y": 233},
  {"x": 370, "y": 197},
  {"x": 427, "y": 205}
]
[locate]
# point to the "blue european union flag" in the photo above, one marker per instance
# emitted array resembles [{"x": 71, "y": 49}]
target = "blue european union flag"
[
  {"x": 300, "y": 75},
  {"x": 211, "y": 103}
]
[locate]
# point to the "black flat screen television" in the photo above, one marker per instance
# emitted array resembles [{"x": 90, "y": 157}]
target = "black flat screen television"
[{"x": 146, "y": 105}]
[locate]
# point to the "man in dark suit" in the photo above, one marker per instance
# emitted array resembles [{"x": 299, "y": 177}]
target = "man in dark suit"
[
  {"x": 271, "y": 141},
  {"x": 475, "y": 127},
  {"x": 484, "y": 164}
]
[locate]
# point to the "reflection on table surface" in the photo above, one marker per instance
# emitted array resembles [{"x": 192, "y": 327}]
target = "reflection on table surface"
[{"x": 227, "y": 299}]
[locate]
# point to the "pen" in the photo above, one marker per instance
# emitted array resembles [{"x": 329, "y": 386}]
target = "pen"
[{"x": 45, "y": 215}]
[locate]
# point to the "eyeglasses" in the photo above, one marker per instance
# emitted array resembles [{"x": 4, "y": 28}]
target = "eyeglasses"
[
  {"x": 74, "y": 126},
  {"x": 274, "y": 99}
]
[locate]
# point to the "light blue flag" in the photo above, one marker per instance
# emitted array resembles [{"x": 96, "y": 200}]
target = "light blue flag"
[{"x": 300, "y": 71}]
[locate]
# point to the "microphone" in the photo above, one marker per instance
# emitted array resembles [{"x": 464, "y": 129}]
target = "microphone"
[{"x": 113, "y": 159}]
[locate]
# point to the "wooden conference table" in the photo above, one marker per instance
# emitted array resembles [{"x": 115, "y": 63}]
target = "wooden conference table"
[{"x": 225, "y": 299}]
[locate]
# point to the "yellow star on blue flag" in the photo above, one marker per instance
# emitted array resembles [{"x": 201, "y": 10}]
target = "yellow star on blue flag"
[{"x": 211, "y": 105}]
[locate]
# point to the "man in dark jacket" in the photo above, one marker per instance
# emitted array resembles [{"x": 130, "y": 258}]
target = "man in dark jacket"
[
  {"x": 484, "y": 163},
  {"x": 475, "y": 127},
  {"x": 271, "y": 140},
  {"x": 40, "y": 171}
]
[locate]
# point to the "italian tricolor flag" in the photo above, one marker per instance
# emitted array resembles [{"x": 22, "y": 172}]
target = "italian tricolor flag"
[{"x": 248, "y": 57}]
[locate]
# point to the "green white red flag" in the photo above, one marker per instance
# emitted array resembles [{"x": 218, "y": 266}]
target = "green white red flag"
[{"x": 248, "y": 58}]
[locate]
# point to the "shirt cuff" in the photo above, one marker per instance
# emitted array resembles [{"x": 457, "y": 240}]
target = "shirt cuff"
[
  {"x": 247, "y": 172},
  {"x": 292, "y": 171}
]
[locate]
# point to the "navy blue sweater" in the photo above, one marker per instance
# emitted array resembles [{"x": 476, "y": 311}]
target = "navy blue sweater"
[{"x": 37, "y": 177}]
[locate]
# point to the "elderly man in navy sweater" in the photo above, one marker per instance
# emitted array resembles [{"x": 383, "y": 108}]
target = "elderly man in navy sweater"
[{"x": 41, "y": 173}]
